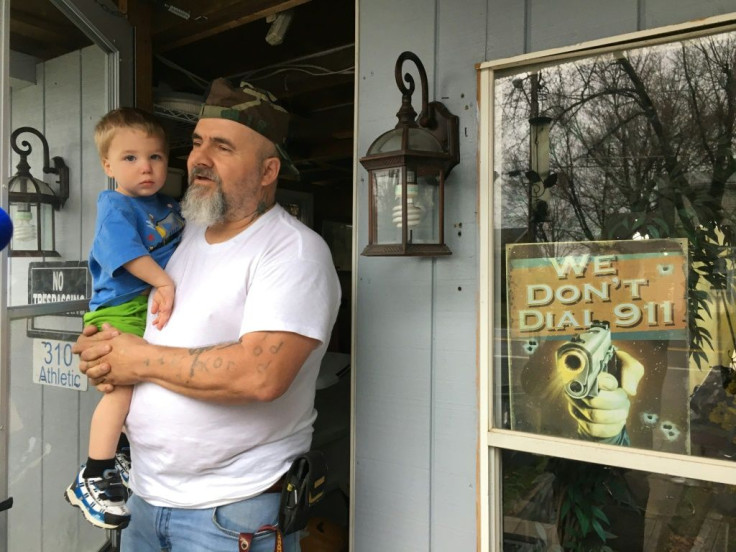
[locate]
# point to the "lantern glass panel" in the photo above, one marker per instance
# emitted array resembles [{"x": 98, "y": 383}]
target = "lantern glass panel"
[
  {"x": 423, "y": 217},
  {"x": 385, "y": 182},
  {"x": 418, "y": 139},
  {"x": 421, "y": 140},
  {"x": 386, "y": 142},
  {"x": 47, "y": 227},
  {"x": 30, "y": 185}
]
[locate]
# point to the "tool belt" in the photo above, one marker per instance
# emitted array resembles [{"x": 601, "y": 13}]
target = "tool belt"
[{"x": 303, "y": 486}]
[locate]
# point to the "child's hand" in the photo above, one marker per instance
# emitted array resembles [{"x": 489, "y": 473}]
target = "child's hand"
[{"x": 163, "y": 304}]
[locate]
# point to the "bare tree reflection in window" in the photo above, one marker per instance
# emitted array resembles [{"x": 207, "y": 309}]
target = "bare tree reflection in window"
[{"x": 640, "y": 144}]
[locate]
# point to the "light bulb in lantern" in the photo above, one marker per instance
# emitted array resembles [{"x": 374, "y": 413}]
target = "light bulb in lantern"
[
  {"x": 414, "y": 211},
  {"x": 24, "y": 229}
]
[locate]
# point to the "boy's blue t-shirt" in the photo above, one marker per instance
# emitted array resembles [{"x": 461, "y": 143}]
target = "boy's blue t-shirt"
[{"x": 128, "y": 228}]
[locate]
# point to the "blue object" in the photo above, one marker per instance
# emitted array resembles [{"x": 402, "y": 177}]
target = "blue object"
[{"x": 6, "y": 229}]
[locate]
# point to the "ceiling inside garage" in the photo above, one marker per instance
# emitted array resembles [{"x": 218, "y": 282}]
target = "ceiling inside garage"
[{"x": 192, "y": 42}]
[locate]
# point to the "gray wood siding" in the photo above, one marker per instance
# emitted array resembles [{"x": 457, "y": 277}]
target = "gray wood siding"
[
  {"x": 416, "y": 405},
  {"x": 49, "y": 426}
]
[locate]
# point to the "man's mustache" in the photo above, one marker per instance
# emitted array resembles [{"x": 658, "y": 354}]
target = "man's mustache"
[{"x": 203, "y": 172}]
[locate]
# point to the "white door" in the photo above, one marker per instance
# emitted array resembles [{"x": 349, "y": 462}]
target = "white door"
[{"x": 64, "y": 64}]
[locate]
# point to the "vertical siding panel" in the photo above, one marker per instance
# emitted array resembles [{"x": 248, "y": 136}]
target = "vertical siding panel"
[
  {"x": 567, "y": 22},
  {"x": 63, "y": 115},
  {"x": 658, "y": 13},
  {"x": 392, "y": 410},
  {"x": 394, "y": 305},
  {"x": 461, "y": 43},
  {"x": 505, "y": 28},
  {"x": 94, "y": 106}
]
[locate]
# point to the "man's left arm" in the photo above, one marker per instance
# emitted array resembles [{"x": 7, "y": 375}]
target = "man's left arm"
[{"x": 260, "y": 366}]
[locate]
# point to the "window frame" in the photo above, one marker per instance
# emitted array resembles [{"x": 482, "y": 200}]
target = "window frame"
[{"x": 493, "y": 440}]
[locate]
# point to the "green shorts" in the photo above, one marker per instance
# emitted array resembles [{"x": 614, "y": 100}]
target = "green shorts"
[{"x": 127, "y": 317}]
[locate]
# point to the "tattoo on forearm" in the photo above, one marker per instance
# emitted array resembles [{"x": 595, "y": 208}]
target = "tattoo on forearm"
[
  {"x": 200, "y": 362},
  {"x": 276, "y": 348},
  {"x": 198, "y": 365},
  {"x": 202, "y": 365}
]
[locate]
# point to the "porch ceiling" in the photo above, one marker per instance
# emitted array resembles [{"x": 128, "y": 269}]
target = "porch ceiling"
[{"x": 194, "y": 41}]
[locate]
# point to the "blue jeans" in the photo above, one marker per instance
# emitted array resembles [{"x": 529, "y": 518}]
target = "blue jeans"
[{"x": 156, "y": 529}]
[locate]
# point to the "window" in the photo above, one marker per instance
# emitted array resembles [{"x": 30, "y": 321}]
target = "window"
[
  {"x": 608, "y": 226},
  {"x": 547, "y": 501}
]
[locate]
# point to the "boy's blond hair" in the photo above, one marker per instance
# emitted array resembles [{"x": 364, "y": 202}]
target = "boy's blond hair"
[{"x": 127, "y": 117}]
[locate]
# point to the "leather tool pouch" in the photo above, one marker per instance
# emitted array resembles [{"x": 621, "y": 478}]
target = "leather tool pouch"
[{"x": 304, "y": 486}]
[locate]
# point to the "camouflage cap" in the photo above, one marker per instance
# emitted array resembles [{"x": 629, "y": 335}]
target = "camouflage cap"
[{"x": 255, "y": 108}]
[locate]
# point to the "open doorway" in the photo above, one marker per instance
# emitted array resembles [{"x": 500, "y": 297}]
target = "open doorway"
[{"x": 304, "y": 53}]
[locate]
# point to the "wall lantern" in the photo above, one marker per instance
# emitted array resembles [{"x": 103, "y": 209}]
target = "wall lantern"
[
  {"x": 407, "y": 167},
  {"x": 33, "y": 202}
]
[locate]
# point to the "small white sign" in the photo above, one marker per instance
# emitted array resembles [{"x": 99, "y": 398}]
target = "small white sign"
[{"x": 55, "y": 364}]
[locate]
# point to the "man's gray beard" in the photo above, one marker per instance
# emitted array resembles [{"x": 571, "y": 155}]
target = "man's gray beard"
[{"x": 203, "y": 206}]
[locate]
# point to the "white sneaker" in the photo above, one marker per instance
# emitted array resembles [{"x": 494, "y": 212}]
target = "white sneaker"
[{"x": 101, "y": 499}]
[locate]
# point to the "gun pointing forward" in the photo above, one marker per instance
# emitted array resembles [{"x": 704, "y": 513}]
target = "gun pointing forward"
[{"x": 582, "y": 359}]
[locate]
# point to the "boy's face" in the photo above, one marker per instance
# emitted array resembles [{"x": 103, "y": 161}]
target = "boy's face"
[{"x": 137, "y": 162}]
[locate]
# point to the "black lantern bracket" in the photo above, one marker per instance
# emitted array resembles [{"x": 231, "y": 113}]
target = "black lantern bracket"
[
  {"x": 58, "y": 168},
  {"x": 434, "y": 116}
]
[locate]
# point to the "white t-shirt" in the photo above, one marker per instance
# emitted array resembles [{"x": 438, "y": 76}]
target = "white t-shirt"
[{"x": 276, "y": 275}]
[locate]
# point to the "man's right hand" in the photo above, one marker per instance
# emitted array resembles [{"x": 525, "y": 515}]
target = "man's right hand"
[{"x": 90, "y": 346}]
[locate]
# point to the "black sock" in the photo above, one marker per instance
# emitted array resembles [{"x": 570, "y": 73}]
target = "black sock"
[
  {"x": 95, "y": 468},
  {"x": 123, "y": 442}
]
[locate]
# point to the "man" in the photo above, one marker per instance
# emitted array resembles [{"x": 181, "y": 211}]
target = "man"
[{"x": 224, "y": 394}]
